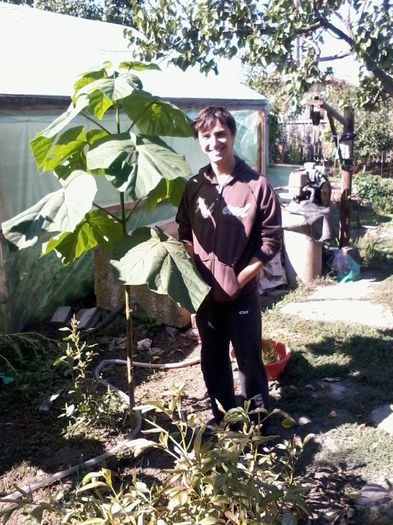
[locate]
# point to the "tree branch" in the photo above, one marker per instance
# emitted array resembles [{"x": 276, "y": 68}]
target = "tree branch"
[
  {"x": 385, "y": 79},
  {"x": 308, "y": 29},
  {"x": 328, "y": 25},
  {"x": 335, "y": 57},
  {"x": 346, "y": 21}
]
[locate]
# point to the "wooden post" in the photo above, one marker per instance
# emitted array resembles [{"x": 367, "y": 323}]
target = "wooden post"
[
  {"x": 130, "y": 353},
  {"x": 346, "y": 180},
  {"x": 346, "y": 161},
  {"x": 263, "y": 148}
]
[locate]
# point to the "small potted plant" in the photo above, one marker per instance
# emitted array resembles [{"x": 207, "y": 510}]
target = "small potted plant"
[{"x": 275, "y": 356}]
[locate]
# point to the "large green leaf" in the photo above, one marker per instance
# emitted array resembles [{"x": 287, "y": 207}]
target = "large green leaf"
[
  {"x": 137, "y": 164},
  {"x": 115, "y": 88},
  {"x": 40, "y": 147},
  {"x": 90, "y": 76},
  {"x": 75, "y": 162},
  {"x": 98, "y": 104},
  {"x": 166, "y": 189},
  {"x": 155, "y": 116},
  {"x": 107, "y": 150},
  {"x": 96, "y": 228},
  {"x": 65, "y": 118},
  {"x": 70, "y": 142},
  {"x": 41, "y": 144},
  {"x": 157, "y": 160},
  {"x": 96, "y": 134},
  {"x": 58, "y": 211},
  {"x": 104, "y": 87},
  {"x": 151, "y": 257}
]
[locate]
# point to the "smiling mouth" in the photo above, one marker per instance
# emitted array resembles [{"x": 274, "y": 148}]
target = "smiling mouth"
[{"x": 217, "y": 151}]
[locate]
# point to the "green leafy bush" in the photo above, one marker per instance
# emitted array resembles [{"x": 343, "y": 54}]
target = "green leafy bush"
[
  {"x": 275, "y": 136},
  {"x": 374, "y": 191},
  {"x": 234, "y": 477}
]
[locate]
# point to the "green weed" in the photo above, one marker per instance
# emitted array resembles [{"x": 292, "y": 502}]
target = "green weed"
[{"x": 84, "y": 405}]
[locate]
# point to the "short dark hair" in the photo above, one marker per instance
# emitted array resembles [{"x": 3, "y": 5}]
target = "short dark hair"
[{"x": 207, "y": 116}]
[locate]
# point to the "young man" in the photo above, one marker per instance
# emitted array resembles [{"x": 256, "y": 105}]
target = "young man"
[{"x": 230, "y": 221}]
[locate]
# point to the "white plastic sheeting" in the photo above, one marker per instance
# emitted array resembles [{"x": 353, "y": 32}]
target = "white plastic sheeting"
[{"x": 46, "y": 51}]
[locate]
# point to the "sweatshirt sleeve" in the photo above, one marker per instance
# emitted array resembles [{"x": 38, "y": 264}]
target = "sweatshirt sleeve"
[
  {"x": 269, "y": 225},
  {"x": 183, "y": 218}
]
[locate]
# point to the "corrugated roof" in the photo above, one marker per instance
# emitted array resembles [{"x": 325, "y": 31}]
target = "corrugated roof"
[{"x": 44, "y": 52}]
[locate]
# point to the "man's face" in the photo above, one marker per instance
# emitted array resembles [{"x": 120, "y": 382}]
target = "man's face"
[{"x": 217, "y": 143}]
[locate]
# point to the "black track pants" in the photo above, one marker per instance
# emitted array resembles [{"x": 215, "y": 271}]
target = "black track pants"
[{"x": 238, "y": 322}]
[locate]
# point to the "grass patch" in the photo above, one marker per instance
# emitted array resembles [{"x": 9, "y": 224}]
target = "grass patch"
[
  {"x": 376, "y": 251},
  {"x": 384, "y": 293},
  {"x": 360, "y": 360},
  {"x": 366, "y": 452},
  {"x": 358, "y": 353}
]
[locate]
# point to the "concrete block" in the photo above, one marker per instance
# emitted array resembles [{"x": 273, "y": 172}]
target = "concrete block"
[
  {"x": 160, "y": 308},
  {"x": 62, "y": 315},
  {"x": 89, "y": 318},
  {"x": 109, "y": 292},
  {"x": 79, "y": 313}
]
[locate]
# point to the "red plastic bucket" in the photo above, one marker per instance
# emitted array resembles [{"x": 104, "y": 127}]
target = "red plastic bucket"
[{"x": 274, "y": 370}]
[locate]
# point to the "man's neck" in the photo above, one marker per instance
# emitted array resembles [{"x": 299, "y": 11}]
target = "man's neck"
[{"x": 221, "y": 168}]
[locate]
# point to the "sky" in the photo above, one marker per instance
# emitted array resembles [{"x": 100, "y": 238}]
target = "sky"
[{"x": 345, "y": 68}]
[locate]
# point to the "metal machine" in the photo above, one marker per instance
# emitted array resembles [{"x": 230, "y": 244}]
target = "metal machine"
[{"x": 310, "y": 183}]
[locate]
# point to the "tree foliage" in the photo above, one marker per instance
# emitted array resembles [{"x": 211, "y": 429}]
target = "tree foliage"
[
  {"x": 286, "y": 34},
  {"x": 374, "y": 133}
]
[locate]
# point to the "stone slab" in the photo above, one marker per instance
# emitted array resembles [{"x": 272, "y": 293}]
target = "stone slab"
[
  {"x": 62, "y": 315},
  {"x": 89, "y": 318},
  {"x": 377, "y": 496},
  {"x": 382, "y": 418},
  {"x": 361, "y": 289},
  {"x": 345, "y": 310}
]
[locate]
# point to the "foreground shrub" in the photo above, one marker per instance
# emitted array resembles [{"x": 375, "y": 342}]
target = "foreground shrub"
[{"x": 234, "y": 477}]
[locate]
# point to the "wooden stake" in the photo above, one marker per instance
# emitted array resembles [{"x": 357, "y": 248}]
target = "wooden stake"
[{"x": 130, "y": 356}]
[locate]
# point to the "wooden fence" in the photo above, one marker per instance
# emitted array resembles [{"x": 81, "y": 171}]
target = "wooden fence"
[{"x": 301, "y": 142}]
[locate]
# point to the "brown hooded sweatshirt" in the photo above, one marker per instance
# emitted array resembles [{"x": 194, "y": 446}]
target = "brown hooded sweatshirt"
[{"x": 228, "y": 226}]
